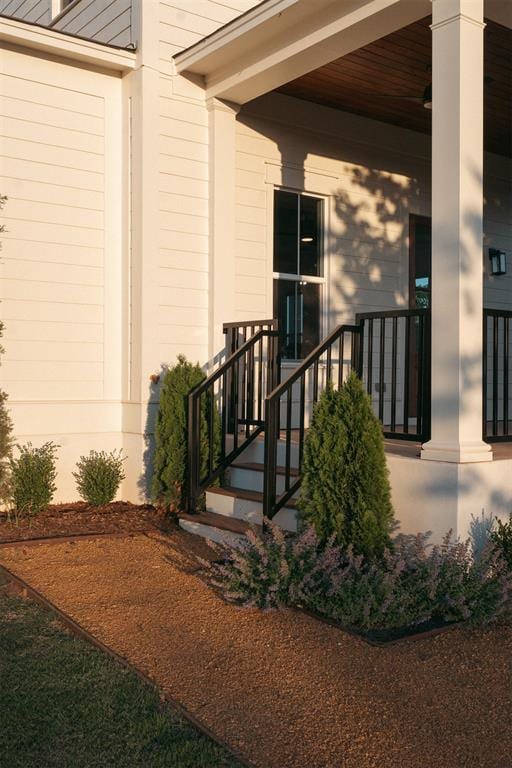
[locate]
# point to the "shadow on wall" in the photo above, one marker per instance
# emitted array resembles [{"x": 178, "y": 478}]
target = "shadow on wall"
[{"x": 373, "y": 192}]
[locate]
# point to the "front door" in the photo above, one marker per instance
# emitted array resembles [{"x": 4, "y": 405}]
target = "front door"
[{"x": 420, "y": 292}]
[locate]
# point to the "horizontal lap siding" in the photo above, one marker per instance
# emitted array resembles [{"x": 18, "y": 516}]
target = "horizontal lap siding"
[
  {"x": 52, "y": 287},
  {"x": 37, "y": 11},
  {"x": 366, "y": 207},
  {"x": 183, "y": 180},
  {"x": 106, "y": 21}
]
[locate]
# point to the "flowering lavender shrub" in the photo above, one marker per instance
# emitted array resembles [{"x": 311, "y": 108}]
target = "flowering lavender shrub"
[
  {"x": 412, "y": 583},
  {"x": 264, "y": 570}
]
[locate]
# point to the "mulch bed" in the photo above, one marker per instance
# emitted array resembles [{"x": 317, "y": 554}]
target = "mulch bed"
[
  {"x": 79, "y": 518},
  {"x": 285, "y": 689}
]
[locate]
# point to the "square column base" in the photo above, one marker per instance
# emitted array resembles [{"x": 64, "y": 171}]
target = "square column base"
[
  {"x": 458, "y": 453},
  {"x": 439, "y": 496}
]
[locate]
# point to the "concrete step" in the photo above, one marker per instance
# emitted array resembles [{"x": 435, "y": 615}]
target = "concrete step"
[
  {"x": 217, "y": 528},
  {"x": 247, "y": 505},
  {"x": 255, "y": 451},
  {"x": 249, "y": 475}
]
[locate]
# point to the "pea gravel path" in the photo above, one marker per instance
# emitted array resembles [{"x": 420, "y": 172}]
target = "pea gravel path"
[{"x": 286, "y": 690}]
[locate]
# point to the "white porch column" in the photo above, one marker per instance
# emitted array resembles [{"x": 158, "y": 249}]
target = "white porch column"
[
  {"x": 221, "y": 122},
  {"x": 457, "y": 247}
]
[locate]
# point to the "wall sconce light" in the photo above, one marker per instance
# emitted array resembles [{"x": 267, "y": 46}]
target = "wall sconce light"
[{"x": 498, "y": 261}]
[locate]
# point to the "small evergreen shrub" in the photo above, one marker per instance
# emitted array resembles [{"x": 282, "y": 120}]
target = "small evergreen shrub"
[
  {"x": 33, "y": 475},
  {"x": 169, "y": 481},
  {"x": 410, "y": 584},
  {"x": 345, "y": 487},
  {"x": 99, "y": 476},
  {"x": 501, "y": 538}
]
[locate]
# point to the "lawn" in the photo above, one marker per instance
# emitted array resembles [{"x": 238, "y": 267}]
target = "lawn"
[{"x": 64, "y": 703}]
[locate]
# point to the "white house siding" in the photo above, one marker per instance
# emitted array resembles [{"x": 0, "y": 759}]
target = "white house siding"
[
  {"x": 106, "y": 21},
  {"x": 36, "y": 11},
  {"x": 60, "y": 166},
  {"x": 183, "y": 180},
  {"x": 372, "y": 177}
]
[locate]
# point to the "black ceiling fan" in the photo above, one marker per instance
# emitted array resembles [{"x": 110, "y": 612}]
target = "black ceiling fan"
[{"x": 425, "y": 99}]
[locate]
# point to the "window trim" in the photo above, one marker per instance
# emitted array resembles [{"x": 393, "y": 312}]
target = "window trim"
[{"x": 322, "y": 279}]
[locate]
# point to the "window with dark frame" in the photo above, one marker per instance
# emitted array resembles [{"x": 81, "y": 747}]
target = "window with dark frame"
[{"x": 298, "y": 271}]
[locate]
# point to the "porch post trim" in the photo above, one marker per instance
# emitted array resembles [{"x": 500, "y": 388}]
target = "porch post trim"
[
  {"x": 221, "y": 266},
  {"x": 457, "y": 233}
]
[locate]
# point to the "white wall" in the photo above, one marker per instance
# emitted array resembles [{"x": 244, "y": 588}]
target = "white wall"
[
  {"x": 372, "y": 177},
  {"x": 61, "y": 266}
]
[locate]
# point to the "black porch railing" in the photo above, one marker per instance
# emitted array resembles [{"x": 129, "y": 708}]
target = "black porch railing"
[
  {"x": 289, "y": 407},
  {"x": 497, "y": 358},
  {"x": 394, "y": 364},
  {"x": 226, "y": 411}
]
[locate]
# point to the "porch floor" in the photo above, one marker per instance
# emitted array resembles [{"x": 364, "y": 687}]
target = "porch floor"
[{"x": 411, "y": 449}]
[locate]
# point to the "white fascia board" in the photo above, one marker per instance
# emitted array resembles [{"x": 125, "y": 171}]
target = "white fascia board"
[
  {"x": 54, "y": 43},
  {"x": 262, "y": 56},
  {"x": 206, "y": 53}
]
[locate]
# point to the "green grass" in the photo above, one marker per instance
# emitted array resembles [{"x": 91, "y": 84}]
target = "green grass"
[{"x": 64, "y": 704}]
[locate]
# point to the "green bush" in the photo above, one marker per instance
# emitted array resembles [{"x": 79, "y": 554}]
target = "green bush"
[
  {"x": 501, "y": 538},
  {"x": 169, "y": 480},
  {"x": 345, "y": 487},
  {"x": 99, "y": 476},
  {"x": 33, "y": 475}
]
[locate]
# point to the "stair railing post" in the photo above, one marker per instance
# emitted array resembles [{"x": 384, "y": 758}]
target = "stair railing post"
[
  {"x": 270, "y": 456},
  {"x": 192, "y": 458}
]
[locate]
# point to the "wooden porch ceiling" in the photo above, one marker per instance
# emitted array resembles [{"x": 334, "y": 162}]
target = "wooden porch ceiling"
[{"x": 363, "y": 81}]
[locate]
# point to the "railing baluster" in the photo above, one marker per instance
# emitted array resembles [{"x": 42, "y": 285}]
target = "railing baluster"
[
  {"x": 419, "y": 374},
  {"x": 315, "y": 381},
  {"x": 505, "y": 374},
  {"x": 485, "y": 363},
  {"x": 382, "y": 352},
  {"x": 302, "y": 414},
  {"x": 210, "y": 405},
  {"x": 394, "y": 343},
  {"x": 288, "y": 438},
  {"x": 407, "y": 370},
  {"x": 223, "y": 415},
  {"x": 260, "y": 379},
  {"x": 369, "y": 378},
  {"x": 495, "y": 376},
  {"x": 329, "y": 365},
  {"x": 341, "y": 345}
]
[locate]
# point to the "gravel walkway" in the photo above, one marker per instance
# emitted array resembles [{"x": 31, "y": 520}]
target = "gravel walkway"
[{"x": 285, "y": 689}]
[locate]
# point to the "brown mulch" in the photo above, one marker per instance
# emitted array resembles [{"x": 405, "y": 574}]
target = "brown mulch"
[
  {"x": 284, "y": 688},
  {"x": 81, "y": 518}
]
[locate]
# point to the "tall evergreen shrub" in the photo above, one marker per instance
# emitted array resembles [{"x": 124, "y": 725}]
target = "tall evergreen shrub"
[
  {"x": 345, "y": 486},
  {"x": 169, "y": 481}
]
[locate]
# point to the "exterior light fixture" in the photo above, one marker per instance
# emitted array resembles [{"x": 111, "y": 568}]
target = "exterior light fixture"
[
  {"x": 427, "y": 97},
  {"x": 306, "y": 239},
  {"x": 498, "y": 261}
]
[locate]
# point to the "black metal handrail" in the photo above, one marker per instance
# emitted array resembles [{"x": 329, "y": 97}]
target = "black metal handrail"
[
  {"x": 394, "y": 352},
  {"x": 496, "y": 376},
  {"x": 238, "y": 332},
  {"x": 231, "y": 401},
  {"x": 282, "y": 416}
]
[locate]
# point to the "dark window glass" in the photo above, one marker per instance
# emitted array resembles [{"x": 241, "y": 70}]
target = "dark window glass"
[
  {"x": 422, "y": 263},
  {"x": 310, "y": 236},
  {"x": 297, "y": 307},
  {"x": 286, "y": 232}
]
